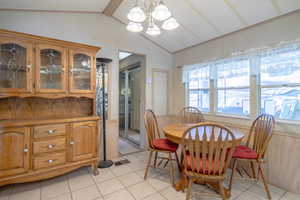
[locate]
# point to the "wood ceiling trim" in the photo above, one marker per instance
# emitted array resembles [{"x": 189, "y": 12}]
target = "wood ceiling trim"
[
  {"x": 236, "y": 12},
  {"x": 276, "y": 7},
  {"x": 111, "y": 7}
]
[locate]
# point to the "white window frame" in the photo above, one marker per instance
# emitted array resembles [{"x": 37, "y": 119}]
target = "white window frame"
[
  {"x": 209, "y": 89},
  {"x": 260, "y": 87},
  {"x": 231, "y": 88},
  {"x": 254, "y": 88}
]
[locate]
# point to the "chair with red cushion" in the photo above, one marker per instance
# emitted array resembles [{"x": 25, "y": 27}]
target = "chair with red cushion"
[
  {"x": 208, "y": 149},
  {"x": 159, "y": 145},
  {"x": 255, "y": 148}
]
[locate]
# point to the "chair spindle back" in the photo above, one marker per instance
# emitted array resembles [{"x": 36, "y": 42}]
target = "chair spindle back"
[
  {"x": 191, "y": 115},
  {"x": 151, "y": 127},
  {"x": 208, "y": 149},
  {"x": 260, "y": 134}
]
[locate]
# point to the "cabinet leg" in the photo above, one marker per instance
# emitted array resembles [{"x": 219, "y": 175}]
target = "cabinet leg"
[{"x": 95, "y": 169}]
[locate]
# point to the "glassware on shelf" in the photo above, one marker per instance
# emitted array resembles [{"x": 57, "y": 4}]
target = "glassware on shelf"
[
  {"x": 81, "y": 72},
  {"x": 51, "y": 69},
  {"x": 13, "y": 66}
]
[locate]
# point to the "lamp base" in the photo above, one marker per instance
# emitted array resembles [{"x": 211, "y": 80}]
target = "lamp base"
[{"x": 105, "y": 164}]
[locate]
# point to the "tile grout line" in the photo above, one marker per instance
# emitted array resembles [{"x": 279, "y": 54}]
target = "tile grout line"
[
  {"x": 283, "y": 195},
  {"x": 126, "y": 187},
  {"x": 97, "y": 185},
  {"x": 40, "y": 191},
  {"x": 70, "y": 191}
]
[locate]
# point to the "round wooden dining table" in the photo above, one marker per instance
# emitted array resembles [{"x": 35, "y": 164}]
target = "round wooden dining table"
[{"x": 174, "y": 132}]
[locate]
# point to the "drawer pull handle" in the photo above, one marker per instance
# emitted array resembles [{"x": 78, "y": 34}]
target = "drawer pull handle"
[
  {"x": 51, "y": 131},
  {"x": 50, "y": 161},
  {"x": 26, "y": 150},
  {"x": 50, "y": 146},
  {"x": 72, "y": 142}
]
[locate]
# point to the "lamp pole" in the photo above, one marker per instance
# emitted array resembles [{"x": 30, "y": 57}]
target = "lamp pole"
[{"x": 101, "y": 62}]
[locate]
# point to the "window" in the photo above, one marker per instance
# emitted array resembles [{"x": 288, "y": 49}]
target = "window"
[
  {"x": 274, "y": 87},
  {"x": 280, "y": 84},
  {"x": 233, "y": 87},
  {"x": 199, "y": 88}
]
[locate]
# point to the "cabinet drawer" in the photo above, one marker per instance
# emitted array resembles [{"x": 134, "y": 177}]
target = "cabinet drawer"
[
  {"x": 49, "y": 145},
  {"x": 49, "y": 130},
  {"x": 49, "y": 160}
]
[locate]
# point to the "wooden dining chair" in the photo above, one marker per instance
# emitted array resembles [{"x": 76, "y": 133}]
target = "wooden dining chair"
[
  {"x": 208, "y": 149},
  {"x": 157, "y": 144},
  {"x": 191, "y": 115},
  {"x": 255, "y": 148}
]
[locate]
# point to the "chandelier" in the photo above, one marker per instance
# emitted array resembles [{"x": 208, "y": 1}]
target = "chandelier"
[{"x": 153, "y": 14}]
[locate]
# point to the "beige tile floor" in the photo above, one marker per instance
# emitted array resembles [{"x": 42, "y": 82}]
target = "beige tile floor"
[{"x": 125, "y": 183}]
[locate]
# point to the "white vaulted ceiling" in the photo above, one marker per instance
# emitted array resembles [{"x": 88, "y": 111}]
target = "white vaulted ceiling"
[
  {"x": 203, "y": 20},
  {"x": 200, "y": 20}
]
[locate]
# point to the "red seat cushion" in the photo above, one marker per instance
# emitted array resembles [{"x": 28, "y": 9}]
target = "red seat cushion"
[
  {"x": 244, "y": 152},
  {"x": 165, "y": 145},
  {"x": 200, "y": 167}
]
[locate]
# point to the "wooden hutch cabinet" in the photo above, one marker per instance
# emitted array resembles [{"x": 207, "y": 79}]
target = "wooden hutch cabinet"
[{"x": 48, "y": 124}]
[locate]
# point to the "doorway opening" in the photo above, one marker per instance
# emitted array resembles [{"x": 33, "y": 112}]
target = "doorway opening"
[{"x": 130, "y": 107}]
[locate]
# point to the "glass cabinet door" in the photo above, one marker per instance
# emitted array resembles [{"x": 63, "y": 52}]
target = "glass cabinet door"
[
  {"x": 51, "y": 64},
  {"x": 15, "y": 66},
  {"x": 82, "y": 72}
]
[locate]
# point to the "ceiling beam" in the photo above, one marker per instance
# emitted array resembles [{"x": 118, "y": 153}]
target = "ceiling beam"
[{"x": 111, "y": 7}]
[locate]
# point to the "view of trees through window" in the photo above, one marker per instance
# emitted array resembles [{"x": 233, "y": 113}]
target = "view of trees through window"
[{"x": 277, "y": 85}]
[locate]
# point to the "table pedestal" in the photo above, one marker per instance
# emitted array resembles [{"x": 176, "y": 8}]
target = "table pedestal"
[{"x": 182, "y": 184}]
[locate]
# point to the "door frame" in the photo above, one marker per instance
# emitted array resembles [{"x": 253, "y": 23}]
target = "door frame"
[
  {"x": 143, "y": 100},
  {"x": 127, "y": 70}
]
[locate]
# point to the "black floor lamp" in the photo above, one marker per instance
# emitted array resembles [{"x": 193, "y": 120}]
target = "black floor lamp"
[{"x": 101, "y": 63}]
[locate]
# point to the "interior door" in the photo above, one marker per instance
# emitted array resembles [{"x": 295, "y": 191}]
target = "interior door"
[
  {"x": 14, "y": 151},
  {"x": 50, "y": 69},
  {"x": 15, "y": 65},
  {"x": 83, "y": 140},
  {"x": 82, "y": 72}
]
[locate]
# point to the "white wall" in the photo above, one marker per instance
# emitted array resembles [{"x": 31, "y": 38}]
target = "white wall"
[{"x": 93, "y": 29}]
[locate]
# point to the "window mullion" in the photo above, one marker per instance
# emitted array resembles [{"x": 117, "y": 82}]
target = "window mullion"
[
  {"x": 213, "y": 85},
  {"x": 254, "y": 87}
]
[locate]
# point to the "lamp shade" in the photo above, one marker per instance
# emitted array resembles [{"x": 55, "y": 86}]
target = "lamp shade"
[
  {"x": 134, "y": 27},
  {"x": 170, "y": 24},
  {"x": 161, "y": 12},
  {"x": 136, "y": 14},
  {"x": 153, "y": 30}
]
